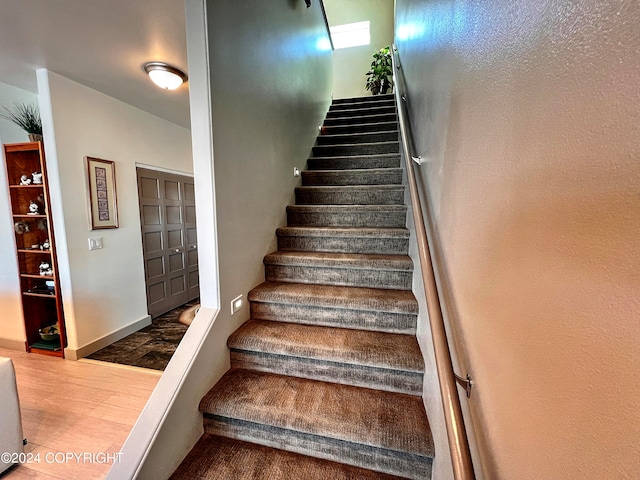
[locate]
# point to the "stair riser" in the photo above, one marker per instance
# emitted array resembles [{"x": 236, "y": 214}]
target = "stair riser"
[
  {"x": 369, "y": 196},
  {"x": 378, "y": 321},
  {"x": 356, "y": 149},
  {"x": 362, "y": 112},
  {"x": 336, "y": 107},
  {"x": 383, "y": 460},
  {"x": 399, "y": 381},
  {"x": 363, "y": 277},
  {"x": 391, "y": 177},
  {"x": 355, "y": 163},
  {"x": 374, "y": 118},
  {"x": 360, "y": 128},
  {"x": 347, "y": 219},
  {"x": 367, "y": 99},
  {"x": 352, "y": 138},
  {"x": 391, "y": 246}
]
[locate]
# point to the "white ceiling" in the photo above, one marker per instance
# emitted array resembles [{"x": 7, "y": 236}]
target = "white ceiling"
[{"x": 99, "y": 43}]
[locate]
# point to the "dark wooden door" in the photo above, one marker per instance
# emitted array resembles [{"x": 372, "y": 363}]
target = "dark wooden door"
[{"x": 168, "y": 219}]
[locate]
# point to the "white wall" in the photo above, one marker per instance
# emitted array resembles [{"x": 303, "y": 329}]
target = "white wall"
[
  {"x": 103, "y": 290},
  {"x": 9, "y": 96},
  {"x": 350, "y": 65},
  {"x": 528, "y": 118},
  {"x": 12, "y": 334},
  {"x": 269, "y": 87},
  {"x": 270, "y": 91},
  {"x": 441, "y": 468}
]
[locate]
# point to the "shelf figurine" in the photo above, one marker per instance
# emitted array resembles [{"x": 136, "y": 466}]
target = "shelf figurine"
[
  {"x": 24, "y": 180},
  {"x": 37, "y": 178},
  {"x": 46, "y": 245},
  {"x": 21, "y": 227},
  {"x": 45, "y": 269},
  {"x": 33, "y": 208}
]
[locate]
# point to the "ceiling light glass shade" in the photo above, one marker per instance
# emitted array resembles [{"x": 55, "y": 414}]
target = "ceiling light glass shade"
[{"x": 164, "y": 75}]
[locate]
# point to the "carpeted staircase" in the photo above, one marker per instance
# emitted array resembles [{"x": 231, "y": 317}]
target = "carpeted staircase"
[{"x": 326, "y": 376}]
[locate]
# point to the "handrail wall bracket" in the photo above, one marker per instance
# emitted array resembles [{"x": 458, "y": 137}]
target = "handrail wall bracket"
[{"x": 466, "y": 383}]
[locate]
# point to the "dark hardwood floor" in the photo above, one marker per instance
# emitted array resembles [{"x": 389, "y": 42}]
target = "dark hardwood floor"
[{"x": 152, "y": 347}]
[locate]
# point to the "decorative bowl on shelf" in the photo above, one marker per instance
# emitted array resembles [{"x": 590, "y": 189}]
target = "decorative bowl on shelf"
[{"x": 49, "y": 333}]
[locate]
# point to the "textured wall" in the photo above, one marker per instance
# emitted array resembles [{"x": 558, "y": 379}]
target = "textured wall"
[
  {"x": 350, "y": 65},
  {"x": 269, "y": 92},
  {"x": 528, "y": 114}
]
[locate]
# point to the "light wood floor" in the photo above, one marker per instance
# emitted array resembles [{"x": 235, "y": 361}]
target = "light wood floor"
[{"x": 78, "y": 407}]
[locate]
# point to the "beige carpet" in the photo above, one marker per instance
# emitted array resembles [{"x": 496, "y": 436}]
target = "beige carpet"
[
  {"x": 328, "y": 366},
  {"x": 220, "y": 458}
]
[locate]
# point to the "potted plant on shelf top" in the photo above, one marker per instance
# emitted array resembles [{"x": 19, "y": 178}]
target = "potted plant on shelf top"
[
  {"x": 27, "y": 117},
  {"x": 379, "y": 77}
]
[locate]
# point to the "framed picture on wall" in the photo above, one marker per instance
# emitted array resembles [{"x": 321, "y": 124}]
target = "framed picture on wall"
[{"x": 103, "y": 208}]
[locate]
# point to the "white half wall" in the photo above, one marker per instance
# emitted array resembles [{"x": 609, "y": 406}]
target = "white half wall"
[
  {"x": 103, "y": 290},
  {"x": 350, "y": 65},
  {"x": 527, "y": 118},
  {"x": 12, "y": 334}
]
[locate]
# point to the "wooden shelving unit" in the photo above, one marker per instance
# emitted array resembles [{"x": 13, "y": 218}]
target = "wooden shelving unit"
[{"x": 41, "y": 298}]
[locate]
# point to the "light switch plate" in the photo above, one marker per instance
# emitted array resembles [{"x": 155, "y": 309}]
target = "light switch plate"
[{"x": 95, "y": 243}]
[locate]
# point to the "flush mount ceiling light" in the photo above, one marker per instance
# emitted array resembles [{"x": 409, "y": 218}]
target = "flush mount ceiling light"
[{"x": 164, "y": 75}]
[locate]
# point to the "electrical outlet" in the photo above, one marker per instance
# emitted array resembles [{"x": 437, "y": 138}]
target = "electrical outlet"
[
  {"x": 95, "y": 243},
  {"x": 296, "y": 172},
  {"x": 236, "y": 304}
]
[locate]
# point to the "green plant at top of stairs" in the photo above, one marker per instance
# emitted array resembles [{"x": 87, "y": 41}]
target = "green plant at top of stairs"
[{"x": 380, "y": 75}]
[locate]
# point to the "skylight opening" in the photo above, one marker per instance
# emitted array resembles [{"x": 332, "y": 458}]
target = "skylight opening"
[{"x": 350, "y": 35}]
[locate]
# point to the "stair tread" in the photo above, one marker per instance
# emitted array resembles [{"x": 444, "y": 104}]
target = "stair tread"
[
  {"x": 367, "y": 98},
  {"x": 381, "y": 232},
  {"x": 362, "y": 144},
  {"x": 383, "y": 117},
  {"x": 357, "y": 134},
  {"x": 388, "y": 125},
  {"x": 352, "y": 177},
  {"x": 340, "y": 345},
  {"x": 374, "y": 109},
  {"x": 215, "y": 457},
  {"x": 356, "y": 157},
  {"x": 389, "y": 101},
  {"x": 340, "y": 260},
  {"x": 331, "y": 215},
  {"x": 379, "y": 419},
  {"x": 356, "y": 298},
  {"x": 356, "y": 149},
  {"x": 347, "y": 188},
  {"x": 352, "y": 171},
  {"x": 354, "y": 162},
  {"x": 347, "y": 208}
]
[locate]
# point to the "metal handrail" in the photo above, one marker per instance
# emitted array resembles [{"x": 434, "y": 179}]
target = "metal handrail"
[
  {"x": 326, "y": 23},
  {"x": 454, "y": 421}
]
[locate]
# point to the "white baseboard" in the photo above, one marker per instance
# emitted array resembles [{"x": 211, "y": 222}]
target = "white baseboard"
[
  {"x": 10, "y": 344},
  {"x": 86, "y": 350}
]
